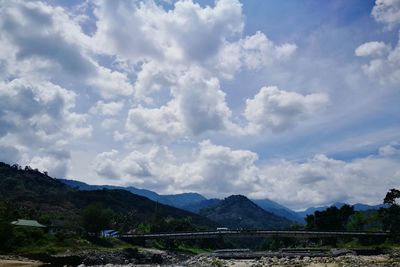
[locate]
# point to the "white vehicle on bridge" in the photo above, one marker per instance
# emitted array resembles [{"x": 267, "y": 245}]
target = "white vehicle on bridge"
[{"x": 221, "y": 229}]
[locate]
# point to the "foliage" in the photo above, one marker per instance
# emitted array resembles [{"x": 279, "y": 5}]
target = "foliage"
[
  {"x": 391, "y": 216},
  {"x": 331, "y": 219},
  {"x": 239, "y": 212},
  {"x": 368, "y": 220},
  {"x": 95, "y": 218},
  {"x": 6, "y": 236}
]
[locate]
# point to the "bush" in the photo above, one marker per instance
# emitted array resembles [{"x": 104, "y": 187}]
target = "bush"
[{"x": 6, "y": 236}]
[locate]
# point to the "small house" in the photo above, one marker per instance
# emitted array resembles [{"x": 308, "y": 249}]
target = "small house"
[{"x": 27, "y": 223}]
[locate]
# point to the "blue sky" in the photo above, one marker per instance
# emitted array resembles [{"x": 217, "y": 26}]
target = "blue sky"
[{"x": 296, "y": 101}]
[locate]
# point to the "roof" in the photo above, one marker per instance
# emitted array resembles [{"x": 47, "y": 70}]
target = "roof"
[
  {"x": 29, "y": 223},
  {"x": 109, "y": 231}
]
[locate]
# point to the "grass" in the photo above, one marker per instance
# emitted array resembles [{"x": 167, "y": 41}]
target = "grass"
[{"x": 51, "y": 245}]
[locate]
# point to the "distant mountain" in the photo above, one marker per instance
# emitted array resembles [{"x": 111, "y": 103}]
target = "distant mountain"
[
  {"x": 197, "y": 206},
  {"x": 278, "y": 209},
  {"x": 357, "y": 207},
  {"x": 178, "y": 200},
  {"x": 181, "y": 200},
  {"x": 36, "y": 194},
  {"x": 238, "y": 211}
]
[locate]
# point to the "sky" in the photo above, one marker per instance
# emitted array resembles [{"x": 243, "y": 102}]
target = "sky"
[{"x": 295, "y": 101}]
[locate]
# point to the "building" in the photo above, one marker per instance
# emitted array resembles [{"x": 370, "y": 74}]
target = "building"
[{"x": 27, "y": 223}]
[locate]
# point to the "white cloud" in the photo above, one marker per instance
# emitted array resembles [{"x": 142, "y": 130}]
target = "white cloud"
[
  {"x": 387, "y": 12},
  {"x": 201, "y": 103},
  {"x": 322, "y": 180},
  {"x": 211, "y": 169},
  {"x": 48, "y": 43},
  {"x": 252, "y": 52},
  {"x": 372, "y": 49},
  {"x": 37, "y": 117},
  {"x": 279, "y": 110},
  {"x": 383, "y": 66},
  {"x": 385, "y": 63},
  {"x": 187, "y": 32},
  {"x": 388, "y": 151},
  {"x": 107, "y": 109},
  {"x": 104, "y": 164},
  {"x": 155, "y": 124},
  {"x": 219, "y": 171},
  {"x": 197, "y": 107}
]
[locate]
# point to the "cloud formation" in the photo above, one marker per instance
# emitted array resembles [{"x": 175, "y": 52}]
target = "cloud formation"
[
  {"x": 167, "y": 97},
  {"x": 219, "y": 171},
  {"x": 384, "y": 63},
  {"x": 279, "y": 110}
]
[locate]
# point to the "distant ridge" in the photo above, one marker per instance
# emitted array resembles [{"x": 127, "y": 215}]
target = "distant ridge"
[
  {"x": 238, "y": 211},
  {"x": 357, "y": 207},
  {"x": 178, "y": 200},
  {"x": 192, "y": 202},
  {"x": 31, "y": 190},
  {"x": 278, "y": 209}
]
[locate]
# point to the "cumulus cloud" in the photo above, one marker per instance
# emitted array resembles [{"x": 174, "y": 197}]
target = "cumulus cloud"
[
  {"x": 279, "y": 110},
  {"x": 107, "y": 109},
  {"x": 372, "y": 49},
  {"x": 322, "y": 180},
  {"x": 384, "y": 64},
  {"x": 388, "y": 151},
  {"x": 211, "y": 169},
  {"x": 48, "y": 43},
  {"x": 188, "y": 31},
  {"x": 387, "y": 12},
  {"x": 252, "y": 52},
  {"x": 197, "y": 107},
  {"x": 219, "y": 171},
  {"x": 154, "y": 124},
  {"x": 147, "y": 169},
  {"x": 37, "y": 115}
]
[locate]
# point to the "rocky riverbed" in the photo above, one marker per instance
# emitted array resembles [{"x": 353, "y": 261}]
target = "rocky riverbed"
[{"x": 151, "y": 258}]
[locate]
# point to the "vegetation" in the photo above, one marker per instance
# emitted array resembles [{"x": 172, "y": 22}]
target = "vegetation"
[
  {"x": 95, "y": 218},
  {"x": 240, "y": 212},
  {"x": 26, "y": 193},
  {"x": 331, "y": 219},
  {"x": 391, "y": 216}
]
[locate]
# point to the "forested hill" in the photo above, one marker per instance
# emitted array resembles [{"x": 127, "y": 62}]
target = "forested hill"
[
  {"x": 31, "y": 194},
  {"x": 238, "y": 211}
]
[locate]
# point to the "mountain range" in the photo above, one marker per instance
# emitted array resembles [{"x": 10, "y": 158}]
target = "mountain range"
[
  {"x": 195, "y": 202},
  {"x": 357, "y": 207},
  {"x": 32, "y": 194},
  {"x": 192, "y": 202},
  {"x": 238, "y": 211}
]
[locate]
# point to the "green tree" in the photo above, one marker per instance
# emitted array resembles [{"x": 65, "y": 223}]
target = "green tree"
[
  {"x": 391, "y": 215},
  {"x": 95, "y": 218},
  {"x": 331, "y": 219}
]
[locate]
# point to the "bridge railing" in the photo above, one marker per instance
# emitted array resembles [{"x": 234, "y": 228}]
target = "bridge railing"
[{"x": 255, "y": 233}]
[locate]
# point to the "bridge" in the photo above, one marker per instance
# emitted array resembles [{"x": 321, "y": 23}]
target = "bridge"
[{"x": 251, "y": 233}]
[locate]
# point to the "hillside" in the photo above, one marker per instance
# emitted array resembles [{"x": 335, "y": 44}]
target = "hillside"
[
  {"x": 278, "y": 209},
  {"x": 177, "y": 200},
  {"x": 239, "y": 212},
  {"x": 357, "y": 207},
  {"x": 192, "y": 202},
  {"x": 197, "y": 206},
  {"x": 35, "y": 194}
]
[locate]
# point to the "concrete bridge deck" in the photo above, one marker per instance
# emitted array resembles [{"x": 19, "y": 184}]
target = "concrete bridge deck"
[{"x": 252, "y": 233}]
